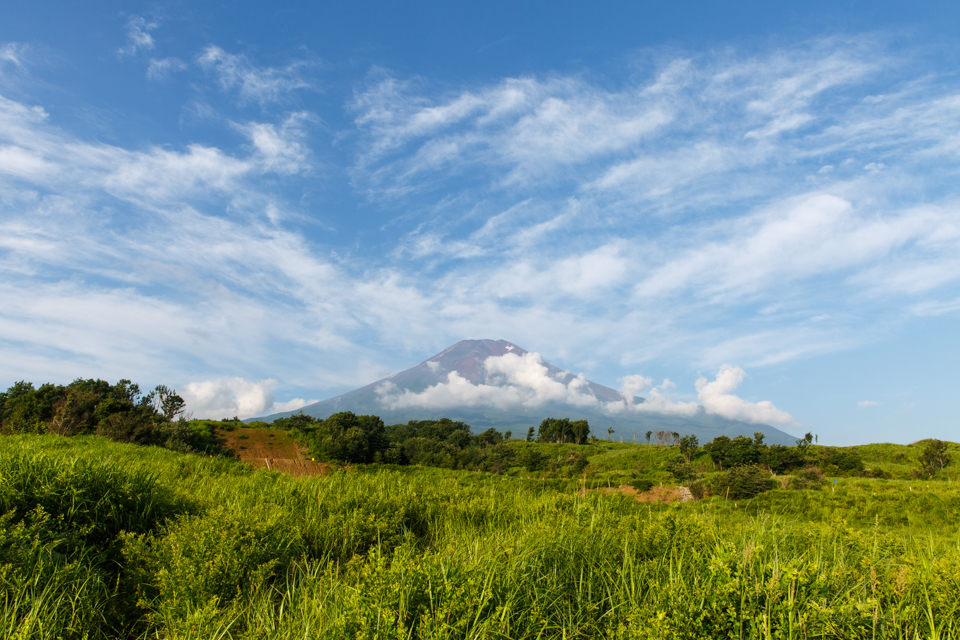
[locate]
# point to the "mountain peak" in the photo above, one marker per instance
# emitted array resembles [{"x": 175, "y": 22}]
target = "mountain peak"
[{"x": 469, "y": 380}]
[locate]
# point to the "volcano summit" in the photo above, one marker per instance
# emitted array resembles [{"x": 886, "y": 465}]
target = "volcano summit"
[{"x": 493, "y": 383}]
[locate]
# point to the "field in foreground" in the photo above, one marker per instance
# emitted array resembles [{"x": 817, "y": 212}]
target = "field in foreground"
[{"x": 107, "y": 540}]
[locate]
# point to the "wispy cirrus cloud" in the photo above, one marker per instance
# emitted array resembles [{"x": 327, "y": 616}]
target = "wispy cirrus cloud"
[
  {"x": 254, "y": 83},
  {"x": 748, "y": 208},
  {"x": 138, "y": 36}
]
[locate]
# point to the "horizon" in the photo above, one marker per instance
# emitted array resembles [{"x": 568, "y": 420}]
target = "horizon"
[{"x": 276, "y": 206}]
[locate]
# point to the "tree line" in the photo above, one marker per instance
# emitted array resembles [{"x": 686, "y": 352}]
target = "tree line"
[{"x": 120, "y": 412}]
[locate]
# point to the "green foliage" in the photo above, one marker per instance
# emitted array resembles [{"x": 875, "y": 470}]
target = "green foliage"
[
  {"x": 688, "y": 447},
  {"x": 346, "y": 437},
  {"x": 739, "y": 451},
  {"x": 934, "y": 457},
  {"x": 420, "y": 553},
  {"x": 119, "y": 412},
  {"x": 839, "y": 460},
  {"x": 783, "y": 459},
  {"x": 199, "y": 565},
  {"x": 741, "y": 483},
  {"x": 698, "y": 489},
  {"x": 533, "y": 459},
  {"x": 682, "y": 470},
  {"x": 563, "y": 430},
  {"x": 807, "y": 478}
]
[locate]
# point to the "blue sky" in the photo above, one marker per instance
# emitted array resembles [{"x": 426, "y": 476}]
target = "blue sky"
[{"x": 266, "y": 206}]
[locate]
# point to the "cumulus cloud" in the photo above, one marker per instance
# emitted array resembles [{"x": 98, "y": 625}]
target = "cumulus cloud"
[
  {"x": 863, "y": 404},
  {"x": 716, "y": 397},
  {"x": 229, "y": 397},
  {"x": 525, "y": 381},
  {"x": 511, "y": 381}
]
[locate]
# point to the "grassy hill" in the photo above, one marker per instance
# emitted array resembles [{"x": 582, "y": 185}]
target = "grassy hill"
[{"x": 106, "y": 540}]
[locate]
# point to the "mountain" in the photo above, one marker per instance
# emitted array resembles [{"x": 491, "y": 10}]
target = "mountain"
[{"x": 428, "y": 391}]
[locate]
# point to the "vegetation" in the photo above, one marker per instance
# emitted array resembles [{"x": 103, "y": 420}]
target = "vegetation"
[
  {"x": 435, "y": 532},
  {"x": 105, "y": 540}
]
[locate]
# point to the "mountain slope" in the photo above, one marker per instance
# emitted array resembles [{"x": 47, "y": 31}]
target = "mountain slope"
[{"x": 390, "y": 398}]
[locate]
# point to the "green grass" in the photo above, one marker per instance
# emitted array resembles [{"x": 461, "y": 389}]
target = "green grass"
[{"x": 103, "y": 540}]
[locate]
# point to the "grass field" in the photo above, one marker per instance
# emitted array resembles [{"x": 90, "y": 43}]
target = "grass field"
[{"x": 107, "y": 540}]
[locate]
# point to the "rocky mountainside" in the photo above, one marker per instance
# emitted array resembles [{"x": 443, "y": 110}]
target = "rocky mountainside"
[{"x": 468, "y": 360}]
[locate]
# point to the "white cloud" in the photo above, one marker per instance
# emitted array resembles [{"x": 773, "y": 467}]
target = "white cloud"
[
  {"x": 279, "y": 148},
  {"x": 162, "y": 67},
  {"x": 863, "y": 404},
  {"x": 257, "y": 84},
  {"x": 511, "y": 381},
  {"x": 11, "y": 53},
  {"x": 138, "y": 36},
  {"x": 229, "y": 397},
  {"x": 524, "y": 381},
  {"x": 716, "y": 397}
]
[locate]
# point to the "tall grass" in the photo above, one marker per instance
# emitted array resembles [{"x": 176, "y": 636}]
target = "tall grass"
[{"x": 141, "y": 542}]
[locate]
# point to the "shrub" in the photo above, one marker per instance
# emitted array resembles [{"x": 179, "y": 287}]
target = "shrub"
[
  {"x": 533, "y": 459},
  {"x": 698, "y": 489},
  {"x": 203, "y": 563},
  {"x": 934, "y": 457},
  {"x": 807, "y": 478},
  {"x": 641, "y": 484},
  {"x": 682, "y": 470},
  {"x": 846, "y": 460},
  {"x": 741, "y": 483}
]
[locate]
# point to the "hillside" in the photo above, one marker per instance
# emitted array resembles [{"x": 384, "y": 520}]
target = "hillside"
[{"x": 106, "y": 540}]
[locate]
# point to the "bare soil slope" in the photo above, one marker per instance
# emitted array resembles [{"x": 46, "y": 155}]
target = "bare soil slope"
[{"x": 272, "y": 449}]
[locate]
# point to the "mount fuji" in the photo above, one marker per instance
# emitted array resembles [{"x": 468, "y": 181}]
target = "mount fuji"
[{"x": 494, "y": 383}]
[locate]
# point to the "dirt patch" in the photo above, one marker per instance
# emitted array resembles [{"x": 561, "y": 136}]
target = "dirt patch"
[
  {"x": 262, "y": 443},
  {"x": 272, "y": 449},
  {"x": 291, "y": 467},
  {"x": 664, "y": 494}
]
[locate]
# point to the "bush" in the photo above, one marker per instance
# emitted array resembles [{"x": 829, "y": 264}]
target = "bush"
[
  {"x": 741, "y": 483},
  {"x": 642, "y": 485},
  {"x": 532, "y": 459},
  {"x": 698, "y": 489},
  {"x": 682, "y": 470},
  {"x": 203, "y": 563},
  {"x": 807, "y": 478},
  {"x": 845, "y": 460}
]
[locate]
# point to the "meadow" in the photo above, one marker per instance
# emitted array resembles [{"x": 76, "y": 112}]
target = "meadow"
[{"x": 100, "y": 539}]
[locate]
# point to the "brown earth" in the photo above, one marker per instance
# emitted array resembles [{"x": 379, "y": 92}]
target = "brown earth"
[
  {"x": 664, "y": 494},
  {"x": 271, "y": 449}
]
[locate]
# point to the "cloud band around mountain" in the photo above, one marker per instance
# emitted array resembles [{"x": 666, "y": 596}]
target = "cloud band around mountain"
[{"x": 525, "y": 381}]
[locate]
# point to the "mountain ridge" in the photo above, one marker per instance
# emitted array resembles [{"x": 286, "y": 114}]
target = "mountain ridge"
[{"x": 468, "y": 360}]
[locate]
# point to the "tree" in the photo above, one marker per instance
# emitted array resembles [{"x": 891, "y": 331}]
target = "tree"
[
  {"x": 490, "y": 437},
  {"x": 741, "y": 483},
  {"x": 350, "y": 438},
  {"x": 934, "y": 457},
  {"x": 530, "y": 434},
  {"x": 648, "y": 434},
  {"x": 507, "y": 435},
  {"x": 166, "y": 401},
  {"x": 804, "y": 442},
  {"x": 688, "y": 447},
  {"x": 563, "y": 430}
]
